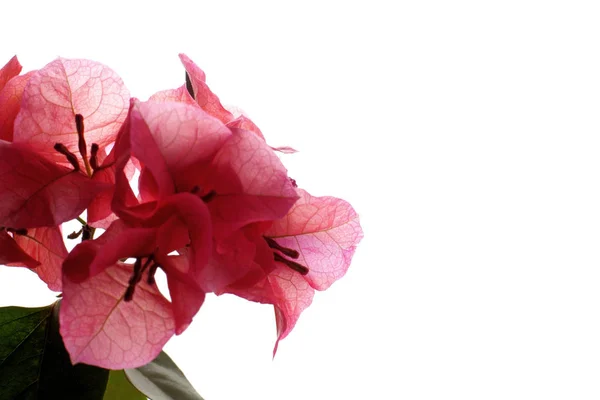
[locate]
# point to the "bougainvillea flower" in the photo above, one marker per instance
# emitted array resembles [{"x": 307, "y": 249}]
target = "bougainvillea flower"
[
  {"x": 324, "y": 231},
  {"x": 59, "y": 92},
  {"x": 99, "y": 328},
  {"x": 48, "y": 115},
  {"x": 215, "y": 209},
  {"x": 94, "y": 270},
  {"x": 69, "y": 111},
  {"x": 312, "y": 247},
  {"x": 183, "y": 149}
]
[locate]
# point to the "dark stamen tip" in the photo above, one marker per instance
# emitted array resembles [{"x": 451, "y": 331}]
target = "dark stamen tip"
[
  {"x": 71, "y": 158},
  {"x": 129, "y": 293},
  {"x": 301, "y": 269},
  {"x": 292, "y": 253},
  {"x": 94, "y": 156},
  {"x": 79, "y": 124},
  {"x": 209, "y": 196},
  {"x": 75, "y": 235},
  {"x": 285, "y": 250},
  {"x": 81, "y": 142}
]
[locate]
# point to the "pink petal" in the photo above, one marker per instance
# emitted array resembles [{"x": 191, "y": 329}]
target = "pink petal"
[
  {"x": 193, "y": 213},
  {"x": 125, "y": 203},
  {"x": 35, "y": 192},
  {"x": 289, "y": 293},
  {"x": 11, "y": 253},
  {"x": 91, "y": 257},
  {"x": 186, "y": 299},
  {"x": 204, "y": 96},
  {"x": 182, "y": 134},
  {"x": 250, "y": 182},
  {"x": 325, "y": 231},
  {"x": 11, "y": 69},
  {"x": 263, "y": 264},
  {"x": 46, "y": 245},
  {"x": 99, "y": 328},
  {"x": 180, "y": 95},
  {"x": 293, "y": 295},
  {"x": 245, "y": 123},
  {"x": 10, "y": 104},
  {"x": 62, "y": 89},
  {"x": 232, "y": 259},
  {"x": 99, "y": 212}
]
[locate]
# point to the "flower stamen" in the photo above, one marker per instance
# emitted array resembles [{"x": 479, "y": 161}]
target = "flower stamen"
[
  {"x": 94, "y": 156},
  {"x": 75, "y": 234},
  {"x": 287, "y": 251},
  {"x": 71, "y": 158},
  {"x": 301, "y": 269},
  {"x": 81, "y": 143},
  {"x": 151, "y": 273},
  {"x": 136, "y": 277}
]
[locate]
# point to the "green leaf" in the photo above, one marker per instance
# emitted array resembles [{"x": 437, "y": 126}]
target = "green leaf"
[
  {"x": 162, "y": 380},
  {"x": 34, "y": 363},
  {"x": 119, "y": 388}
]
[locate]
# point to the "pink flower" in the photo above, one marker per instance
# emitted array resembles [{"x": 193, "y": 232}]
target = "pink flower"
[
  {"x": 200, "y": 184},
  {"x": 55, "y": 124},
  {"x": 311, "y": 247},
  {"x": 285, "y": 258},
  {"x": 112, "y": 314},
  {"x": 233, "y": 173},
  {"x": 54, "y": 97},
  {"x": 215, "y": 209}
]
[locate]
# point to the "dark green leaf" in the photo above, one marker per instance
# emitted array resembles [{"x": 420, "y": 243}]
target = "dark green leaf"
[
  {"x": 34, "y": 363},
  {"x": 162, "y": 380},
  {"x": 119, "y": 387}
]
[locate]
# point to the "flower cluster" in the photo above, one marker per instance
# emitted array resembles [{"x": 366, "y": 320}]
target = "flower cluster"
[{"x": 179, "y": 183}]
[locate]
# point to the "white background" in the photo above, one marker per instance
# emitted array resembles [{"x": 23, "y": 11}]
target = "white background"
[{"x": 466, "y": 135}]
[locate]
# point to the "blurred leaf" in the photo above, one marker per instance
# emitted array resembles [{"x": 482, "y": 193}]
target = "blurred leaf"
[
  {"x": 119, "y": 387},
  {"x": 161, "y": 379},
  {"x": 34, "y": 363}
]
